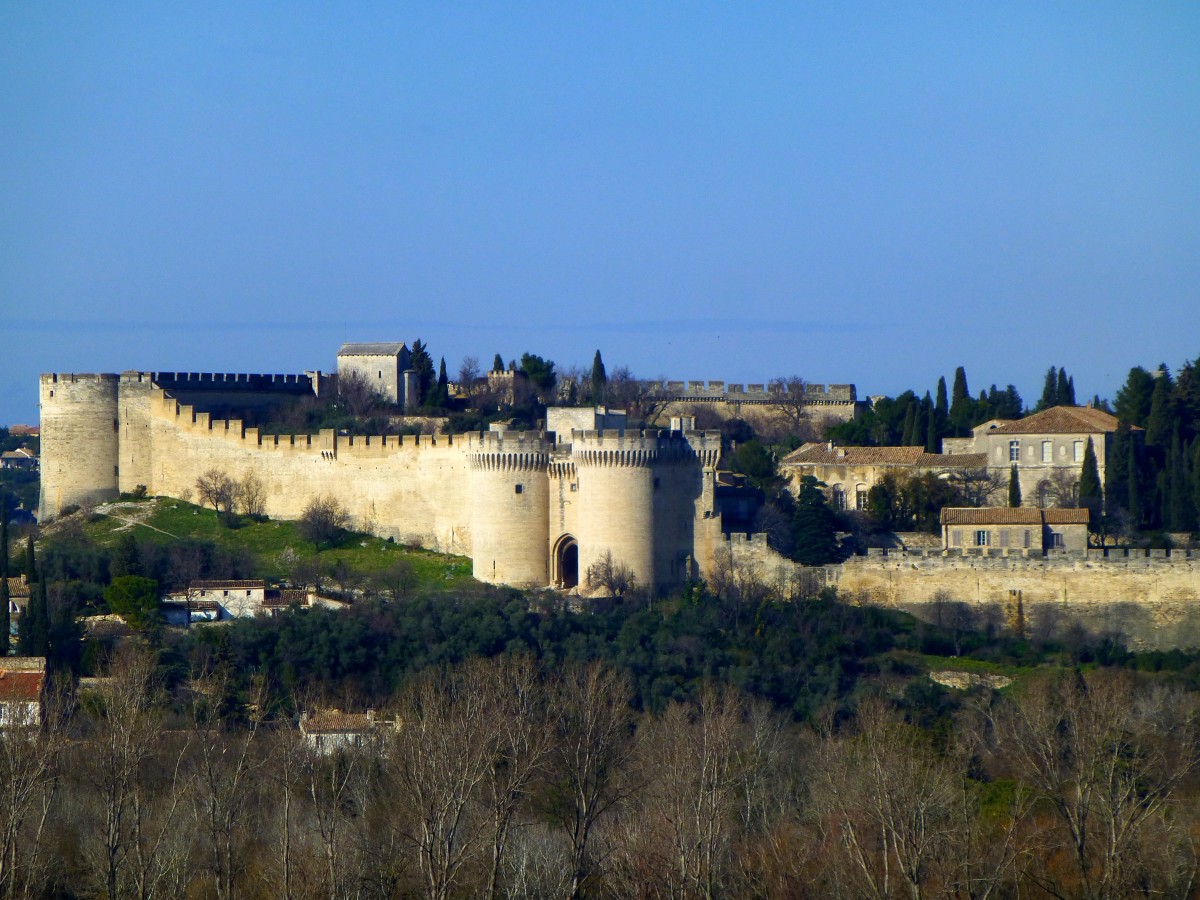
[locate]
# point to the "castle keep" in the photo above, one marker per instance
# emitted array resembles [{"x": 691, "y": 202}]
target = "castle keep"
[{"x": 529, "y": 508}]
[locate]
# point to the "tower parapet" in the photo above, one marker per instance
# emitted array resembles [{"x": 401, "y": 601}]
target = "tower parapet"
[
  {"x": 80, "y": 441},
  {"x": 510, "y": 507}
]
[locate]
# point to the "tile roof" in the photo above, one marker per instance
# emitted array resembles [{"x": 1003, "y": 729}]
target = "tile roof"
[
  {"x": 1003, "y": 515},
  {"x": 24, "y": 430},
  {"x": 822, "y": 454},
  {"x": 17, "y": 587},
  {"x": 247, "y": 584},
  {"x": 285, "y": 597},
  {"x": 21, "y": 678},
  {"x": 372, "y": 349},
  {"x": 334, "y": 721},
  {"x": 1062, "y": 420}
]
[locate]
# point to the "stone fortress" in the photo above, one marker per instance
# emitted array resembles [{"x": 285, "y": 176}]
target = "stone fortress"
[
  {"x": 535, "y": 509},
  {"x": 531, "y": 509}
]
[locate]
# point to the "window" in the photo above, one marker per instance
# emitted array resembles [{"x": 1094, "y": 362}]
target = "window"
[
  {"x": 574, "y": 485},
  {"x": 861, "y": 498},
  {"x": 1028, "y": 538},
  {"x": 839, "y": 497},
  {"x": 1077, "y": 449},
  {"x": 956, "y": 537},
  {"x": 1014, "y": 451},
  {"x": 1047, "y": 451},
  {"x": 520, "y": 488},
  {"x": 982, "y": 539},
  {"x": 1056, "y": 540},
  {"x": 1003, "y": 537}
]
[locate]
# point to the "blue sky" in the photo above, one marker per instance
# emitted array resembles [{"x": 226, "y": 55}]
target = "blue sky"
[{"x": 863, "y": 192}]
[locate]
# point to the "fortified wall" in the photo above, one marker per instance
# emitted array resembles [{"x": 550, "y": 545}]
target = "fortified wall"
[
  {"x": 754, "y": 402},
  {"x": 1151, "y": 598},
  {"x": 529, "y": 509}
]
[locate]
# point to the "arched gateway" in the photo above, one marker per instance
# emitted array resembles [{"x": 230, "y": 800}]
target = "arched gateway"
[{"x": 566, "y": 562}]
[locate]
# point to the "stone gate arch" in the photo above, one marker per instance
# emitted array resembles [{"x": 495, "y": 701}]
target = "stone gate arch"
[{"x": 565, "y": 560}]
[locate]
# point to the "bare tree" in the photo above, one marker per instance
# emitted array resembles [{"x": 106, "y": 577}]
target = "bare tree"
[
  {"x": 439, "y": 761},
  {"x": 323, "y": 520},
  {"x": 469, "y": 374},
  {"x": 217, "y": 489},
  {"x": 398, "y": 579},
  {"x": 1062, "y": 488},
  {"x": 977, "y": 487},
  {"x": 615, "y": 579},
  {"x": 590, "y": 772},
  {"x": 1107, "y": 758},
  {"x": 789, "y": 399},
  {"x": 357, "y": 393},
  {"x": 251, "y": 495}
]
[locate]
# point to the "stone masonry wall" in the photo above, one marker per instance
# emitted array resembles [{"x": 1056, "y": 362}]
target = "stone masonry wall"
[{"x": 1151, "y": 599}]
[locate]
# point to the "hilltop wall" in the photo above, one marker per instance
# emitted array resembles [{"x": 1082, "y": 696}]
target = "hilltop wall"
[{"x": 1151, "y": 598}]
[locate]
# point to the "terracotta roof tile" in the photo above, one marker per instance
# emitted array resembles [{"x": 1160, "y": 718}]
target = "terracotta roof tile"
[
  {"x": 1002, "y": 515},
  {"x": 1062, "y": 420},
  {"x": 244, "y": 584},
  {"x": 821, "y": 454},
  {"x": 334, "y": 721}
]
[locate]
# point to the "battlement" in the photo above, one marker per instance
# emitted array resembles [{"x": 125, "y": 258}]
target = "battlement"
[
  {"x": 223, "y": 381},
  {"x": 612, "y": 447},
  {"x": 717, "y": 391},
  {"x": 77, "y": 377},
  {"x": 993, "y": 557}
]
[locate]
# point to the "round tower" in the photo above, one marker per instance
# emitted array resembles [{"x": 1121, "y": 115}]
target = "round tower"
[
  {"x": 617, "y": 485},
  {"x": 80, "y": 444},
  {"x": 510, "y": 509}
]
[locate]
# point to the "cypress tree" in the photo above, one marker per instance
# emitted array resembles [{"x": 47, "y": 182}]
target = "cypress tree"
[
  {"x": 443, "y": 384},
  {"x": 814, "y": 526},
  {"x": 933, "y": 434},
  {"x": 497, "y": 363},
  {"x": 34, "y": 637},
  {"x": 1071, "y": 392},
  {"x": 1014, "y": 488},
  {"x": 1064, "y": 393},
  {"x": 1091, "y": 495},
  {"x": 942, "y": 408},
  {"x": 1133, "y": 482},
  {"x": 1160, "y": 421},
  {"x": 960, "y": 404},
  {"x": 31, "y": 574},
  {"x": 599, "y": 379},
  {"x": 1195, "y": 485},
  {"x": 422, "y": 363},
  {"x": 1116, "y": 472},
  {"x": 1133, "y": 400},
  {"x": 910, "y": 424},
  {"x": 1049, "y": 390}
]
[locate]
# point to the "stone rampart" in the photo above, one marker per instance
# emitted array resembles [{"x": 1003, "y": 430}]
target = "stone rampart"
[
  {"x": 1151, "y": 598},
  {"x": 747, "y": 393}
]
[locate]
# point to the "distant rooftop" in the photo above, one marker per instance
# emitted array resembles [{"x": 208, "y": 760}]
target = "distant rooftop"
[
  {"x": 1062, "y": 420},
  {"x": 372, "y": 349},
  {"x": 1021, "y": 515}
]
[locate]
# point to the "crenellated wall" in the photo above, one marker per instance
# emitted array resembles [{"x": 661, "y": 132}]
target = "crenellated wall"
[
  {"x": 1151, "y": 598},
  {"x": 508, "y": 499}
]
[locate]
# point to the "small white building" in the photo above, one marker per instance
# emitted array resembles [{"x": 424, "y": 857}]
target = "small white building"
[
  {"x": 382, "y": 365},
  {"x": 21, "y": 679},
  {"x": 329, "y": 730}
]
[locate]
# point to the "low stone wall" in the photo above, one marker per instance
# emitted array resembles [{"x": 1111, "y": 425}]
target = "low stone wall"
[{"x": 1150, "y": 598}]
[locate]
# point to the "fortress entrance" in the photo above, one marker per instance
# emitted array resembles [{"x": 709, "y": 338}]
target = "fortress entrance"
[{"x": 566, "y": 562}]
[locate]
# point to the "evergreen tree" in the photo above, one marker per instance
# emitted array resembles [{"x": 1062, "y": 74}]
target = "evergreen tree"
[
  {"x": 1195, "y": 485},
  {"x": 441, "y": 394},
  {"x": 961, "y": 405},
  {"x": 126, "y": 560},
  {"x": 1133, "y": 400},
  {"x": 1161, "y": 418},
  {"x": 1180, "y": 511},
  {"x": 1014, "y": 488},
  {"x": 942, "y": 406},
  {"x": 31, "y": 573},
  {"x": 1091, "y": 496},
  {"x": 5, "y": 621},
  {"x": 814, "y": 526},
  {"x": 34, "y": 627},
  {"x": 1134, "y": 505},
  {"x": 498, "y": 363},
  {"x": 422, "y": 363},
  {"x": 1049, "y": 390},
  {"x": 910, "y": 426},
  {"x": 933, "y": 431},
  {"x": 599, "y": 380},
  {"x": 1116, "y": 471},
  {"x": 1065, "y": 392}
]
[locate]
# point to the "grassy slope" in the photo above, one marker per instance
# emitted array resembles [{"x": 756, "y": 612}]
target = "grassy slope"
[{"x": 165, "y": 519}]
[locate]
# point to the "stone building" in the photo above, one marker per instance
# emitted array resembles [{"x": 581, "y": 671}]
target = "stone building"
[
  {"x": 1046, "y": 447},
  {"x": 529, "y": 508},
  {"x": 385, "y": 366},
  {"x": 850, "y": 472},
  {"x": 1001, "y": 530}
]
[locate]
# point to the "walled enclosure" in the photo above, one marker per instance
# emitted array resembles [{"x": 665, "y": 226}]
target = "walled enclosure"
[{"x": 507, "y": 500}]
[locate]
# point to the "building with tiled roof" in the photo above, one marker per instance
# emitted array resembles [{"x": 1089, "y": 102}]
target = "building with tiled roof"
[
  {"x": 21, "y": 679},
  {"x": 849, "y": 473},
  {"x": 329, "y": 730},
  {"x": 1022, "y": 530},
  {"x": 383, "y": 366},
  {"x": 22, "y": 458},
  {"x": 1047, "y": 448}
]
